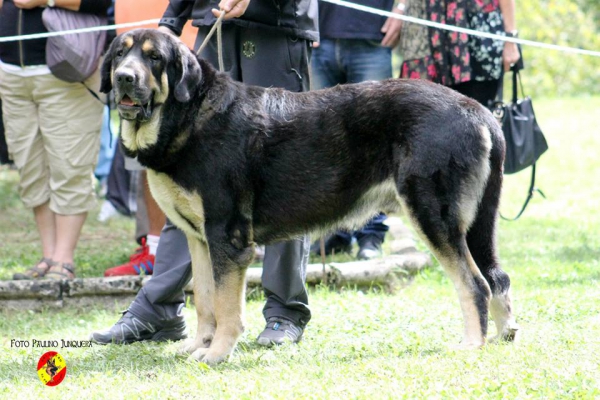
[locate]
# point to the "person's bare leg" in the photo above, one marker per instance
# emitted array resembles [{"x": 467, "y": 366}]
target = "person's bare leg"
[
  {"x": 45, "y": 220},
  {"x": 156, "y": 217},
  {"x": 68, "y": 229}
]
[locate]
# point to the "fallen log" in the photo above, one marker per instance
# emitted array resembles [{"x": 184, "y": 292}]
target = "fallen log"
[{"x": 389, "y": 273}]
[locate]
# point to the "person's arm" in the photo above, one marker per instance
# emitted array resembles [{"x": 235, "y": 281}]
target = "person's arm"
[
  {"x": 393, "y": 27},
  {"x": 179, "y": 11},
  {"x": 175, "y": 16},
  {"x": 510, "y": 54},
  {"x": 1, "y": 1},
  {"x": 233, "y": 8},
  {"x": 98, "y": 7},
  {"x": 89, "y": 6},
  {"x": 68, "y": 4}
]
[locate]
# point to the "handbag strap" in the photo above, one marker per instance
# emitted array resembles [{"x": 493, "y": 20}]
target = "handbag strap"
[
  {"x": 515, "y": 75},
  {"x": 532, "y": 190},
  {"x": 516, "y": 81},
  {"x": 107, "y": 103}
]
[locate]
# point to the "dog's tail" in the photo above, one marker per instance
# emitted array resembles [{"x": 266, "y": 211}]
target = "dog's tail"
[{"x": 481, "y": 236}]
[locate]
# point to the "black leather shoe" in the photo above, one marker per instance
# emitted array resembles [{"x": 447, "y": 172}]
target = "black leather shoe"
[
  {"x": 333, "y": 244},
  {"x": 369, "y": 248},
  {"x": 130, "y": 329}
]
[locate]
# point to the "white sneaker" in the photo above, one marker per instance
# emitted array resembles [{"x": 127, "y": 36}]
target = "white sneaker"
[{"x": 107, "y": 211}]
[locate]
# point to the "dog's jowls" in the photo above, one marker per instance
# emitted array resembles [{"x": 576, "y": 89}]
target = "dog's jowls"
[{"x": 234, "y": 165}]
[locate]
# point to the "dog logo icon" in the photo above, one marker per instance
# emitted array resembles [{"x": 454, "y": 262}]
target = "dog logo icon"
[{"x": 51, "y": 368}]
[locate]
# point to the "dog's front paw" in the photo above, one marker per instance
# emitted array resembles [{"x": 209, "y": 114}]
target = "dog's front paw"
[
  {"x": 201, "y": 341},
  {"x": 191, "y": 345},
  {"x": 209, "y": 356},
  {"x": 187, "y": 347}
]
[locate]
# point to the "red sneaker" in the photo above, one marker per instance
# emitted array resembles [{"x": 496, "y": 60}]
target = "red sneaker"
[
  {"x": 139, "y": 250},
  {"x": 141, "y": 262}
]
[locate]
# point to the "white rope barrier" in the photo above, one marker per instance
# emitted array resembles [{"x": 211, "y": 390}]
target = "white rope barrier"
[
  {"x": 81, "y": 30},
  {"x": 463, "y": 30},
  {"x": 342, "y": 3}
]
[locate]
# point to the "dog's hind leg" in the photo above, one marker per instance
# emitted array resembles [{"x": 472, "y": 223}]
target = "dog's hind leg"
[
  {"x": 204, "y": 290},
  {"x": 435, "y": 211},
  {"x": 481, "y": 239},
  {"x": 472, "y": 288}
]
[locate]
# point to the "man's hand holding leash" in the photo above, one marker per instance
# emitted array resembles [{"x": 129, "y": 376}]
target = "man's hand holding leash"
[{"x": 232, "y": 8}]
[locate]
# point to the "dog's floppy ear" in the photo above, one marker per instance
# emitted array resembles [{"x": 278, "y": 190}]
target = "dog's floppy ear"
[
  {"x": 189, "y": 73},
  {"x": 105, "y": 69}
]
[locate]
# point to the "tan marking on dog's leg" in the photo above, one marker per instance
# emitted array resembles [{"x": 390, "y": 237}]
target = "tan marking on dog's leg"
[
  {"x": 462, "y": 272},
  {"x": 477, "y": 182},
  {"x": 204, "y": 290},
  {"x": 501, "y": 311},
  {"x": 475, "y": 333},
  {"x": 460, "y": 275},
  {"x": 229, "y": 312}
]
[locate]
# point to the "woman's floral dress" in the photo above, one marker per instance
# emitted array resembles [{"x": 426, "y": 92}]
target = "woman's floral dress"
[{"x": 448, "y": 57}]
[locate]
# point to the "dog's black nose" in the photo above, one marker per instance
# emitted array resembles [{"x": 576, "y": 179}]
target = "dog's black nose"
[{"x": 125, "y": 76}]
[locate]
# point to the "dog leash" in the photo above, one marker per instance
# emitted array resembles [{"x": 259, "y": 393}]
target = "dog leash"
[{"x": 217, "y": 27}]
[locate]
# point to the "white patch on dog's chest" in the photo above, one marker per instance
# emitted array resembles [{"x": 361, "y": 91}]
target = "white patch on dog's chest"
[
  {"x": 184, "y": 209},
  {"x": 145, "y": 136}
]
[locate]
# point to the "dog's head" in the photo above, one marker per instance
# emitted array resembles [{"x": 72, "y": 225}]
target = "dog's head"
[{"x": 147, "y": 67}]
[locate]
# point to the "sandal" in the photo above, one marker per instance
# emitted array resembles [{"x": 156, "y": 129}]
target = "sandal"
[
  {"x": 36, "y": 271},
  {"x": 61, "y": 271}
]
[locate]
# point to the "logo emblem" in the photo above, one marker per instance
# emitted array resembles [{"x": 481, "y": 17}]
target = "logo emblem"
[
  {"x": 51, "y": 368},
  {"x": 249, "y": 49}
]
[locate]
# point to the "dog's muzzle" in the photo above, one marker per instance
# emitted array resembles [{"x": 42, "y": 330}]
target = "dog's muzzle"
[{"x": 131, "y": 103}]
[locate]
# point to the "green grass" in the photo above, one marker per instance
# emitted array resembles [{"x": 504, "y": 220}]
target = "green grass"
[
  {"x": 361, "y": 344},
  {"x": 101, "y": 245}
]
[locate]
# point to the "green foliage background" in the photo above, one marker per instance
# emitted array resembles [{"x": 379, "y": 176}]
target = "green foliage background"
[{"x": 574, "y": 23}]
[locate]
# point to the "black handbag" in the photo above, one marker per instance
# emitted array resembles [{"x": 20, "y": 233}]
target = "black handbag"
[{"x": 525, "y": 142}]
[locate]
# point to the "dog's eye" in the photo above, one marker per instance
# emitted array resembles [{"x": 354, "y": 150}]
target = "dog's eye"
[
  {"x": 119, "y": 53},
  {"x": 155, "y": 56}
]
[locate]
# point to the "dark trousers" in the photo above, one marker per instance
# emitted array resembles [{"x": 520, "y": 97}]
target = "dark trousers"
[
  {"x": 484, "y": 92},
  {"x": 260, "y": 58},
  {"x": 4, "y": 158}
]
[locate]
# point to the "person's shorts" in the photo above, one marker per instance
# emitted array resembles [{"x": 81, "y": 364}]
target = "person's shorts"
[{"x": 53, "y": 136}]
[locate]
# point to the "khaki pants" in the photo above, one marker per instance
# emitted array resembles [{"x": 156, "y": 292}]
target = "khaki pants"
[{"x": 53, "y": 137}]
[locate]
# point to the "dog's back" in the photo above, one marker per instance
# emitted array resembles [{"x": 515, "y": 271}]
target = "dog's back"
[{"x": 335, "y": 157}]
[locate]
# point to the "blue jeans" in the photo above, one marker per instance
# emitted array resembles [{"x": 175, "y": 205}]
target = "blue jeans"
[
  {"x": 339, "y": 61},
  {"x": 108, "y": 142}
]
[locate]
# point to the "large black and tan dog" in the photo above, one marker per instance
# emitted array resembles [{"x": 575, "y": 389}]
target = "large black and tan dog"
[{"x": 234, "y": 165}]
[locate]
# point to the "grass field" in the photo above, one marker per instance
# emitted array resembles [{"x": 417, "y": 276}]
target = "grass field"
[{"x": 361, "y": 345}]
